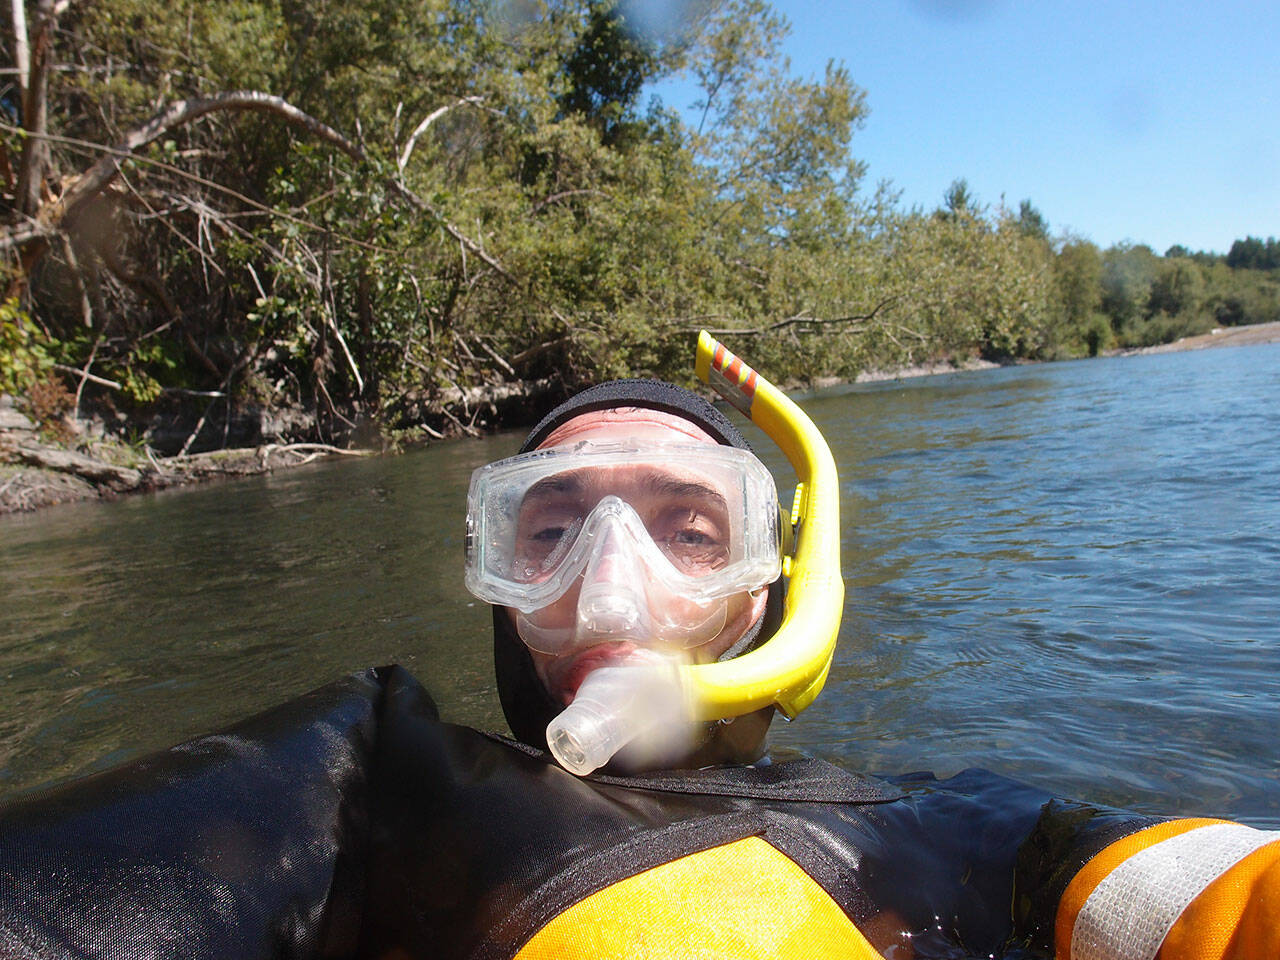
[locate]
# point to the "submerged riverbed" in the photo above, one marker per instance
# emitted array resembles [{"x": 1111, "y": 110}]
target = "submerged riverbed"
[{"x": 1067, "y": 573}]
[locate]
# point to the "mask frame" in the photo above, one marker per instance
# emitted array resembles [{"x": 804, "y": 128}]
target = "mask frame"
[{"x": 500, "y": 570}]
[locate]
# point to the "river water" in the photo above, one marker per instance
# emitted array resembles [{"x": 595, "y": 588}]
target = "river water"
[{"x": 1068, "y": 573}]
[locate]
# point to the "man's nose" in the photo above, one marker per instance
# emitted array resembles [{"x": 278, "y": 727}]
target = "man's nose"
[{"x": 614, "y": 562}]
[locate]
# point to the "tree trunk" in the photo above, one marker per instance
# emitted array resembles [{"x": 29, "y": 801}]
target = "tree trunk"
[{"x": 34, "y": 164}]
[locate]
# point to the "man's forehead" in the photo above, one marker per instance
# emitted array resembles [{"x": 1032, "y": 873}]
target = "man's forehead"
[{"x": 622, "y": 423}]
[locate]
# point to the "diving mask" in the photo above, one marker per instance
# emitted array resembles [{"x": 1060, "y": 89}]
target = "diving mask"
[{"x": 628, "y": 539}]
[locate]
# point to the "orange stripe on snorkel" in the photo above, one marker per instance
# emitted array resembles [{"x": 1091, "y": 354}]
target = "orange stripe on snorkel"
[
  {"x": 731, "y": 367},
  {"x": 732, "y": 378}
]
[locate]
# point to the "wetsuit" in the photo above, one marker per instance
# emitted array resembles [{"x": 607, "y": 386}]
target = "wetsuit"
[{"x": 352, "y": 822}]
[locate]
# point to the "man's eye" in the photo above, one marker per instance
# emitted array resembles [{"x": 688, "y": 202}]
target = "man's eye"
[
  {"x": 692, "y": 538},
  {"x": 548, "y": 534},
  {"x": 694, "y": 549}
]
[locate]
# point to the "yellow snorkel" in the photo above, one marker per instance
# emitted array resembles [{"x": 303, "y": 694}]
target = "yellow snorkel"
[
  {"x": 616, "y": 705},
  {"x": 790, "y": 668}
]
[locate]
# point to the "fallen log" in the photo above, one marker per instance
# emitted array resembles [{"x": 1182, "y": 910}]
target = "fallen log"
[{"x": 65, "y": 461}]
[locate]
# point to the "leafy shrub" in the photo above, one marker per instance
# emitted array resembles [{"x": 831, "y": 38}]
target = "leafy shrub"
[{"x": 25, "y": 355}]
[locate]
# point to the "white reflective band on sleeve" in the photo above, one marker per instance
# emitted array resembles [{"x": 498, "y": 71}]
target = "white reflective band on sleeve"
[{"x": 1131, "y": 911}]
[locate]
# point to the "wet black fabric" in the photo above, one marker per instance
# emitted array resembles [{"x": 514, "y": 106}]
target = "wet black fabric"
[
  {"x": 354, "y": 823},
  {"x": 248, "y": 843},
  {"x": 1067, "y": 835}
]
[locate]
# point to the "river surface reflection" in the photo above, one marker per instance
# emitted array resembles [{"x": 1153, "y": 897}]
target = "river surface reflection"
[{"x": 1067, "y": 573}]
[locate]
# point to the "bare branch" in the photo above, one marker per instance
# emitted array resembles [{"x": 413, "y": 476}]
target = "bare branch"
[
  {"x": 329, "y": 314},
  {"x": 538, "y": 349},
  {"x": 86, "y": 375},
  {"x": 496, "y": 358},
  {"x": 218, "y": 394},
  {"x": 73, "y": 265},
  {"x": 563, "y": 195},
  {"x": 22, "y": 235},
  {"x": 204, "y": 259},
  {"x": 429, "y": 119},
  {"x": 95, "y": 179},
  {"x": 90, "y": 183},
  {"x": 466, "y": 242},
  {"x": 800, "y": 319}
]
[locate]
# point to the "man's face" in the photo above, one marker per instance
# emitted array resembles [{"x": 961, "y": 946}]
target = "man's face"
[{"x": 685, "y": 518}]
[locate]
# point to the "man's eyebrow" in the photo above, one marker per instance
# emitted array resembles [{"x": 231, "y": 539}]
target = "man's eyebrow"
[
  {"x": 557, "y": 485},
  {"x": 692, "y": 489}
]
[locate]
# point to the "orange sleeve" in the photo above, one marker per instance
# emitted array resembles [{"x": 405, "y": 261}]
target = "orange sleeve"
[{"x": 1236, "y": 917}]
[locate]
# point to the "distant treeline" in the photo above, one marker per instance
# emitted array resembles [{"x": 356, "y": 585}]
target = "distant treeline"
[
  {"x": 387, "y": 213},
  {"x": 1251, "y": 253},
  {"x": 1128, "y": 296}
]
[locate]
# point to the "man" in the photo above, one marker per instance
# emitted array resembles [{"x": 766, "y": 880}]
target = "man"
[
  {"x": 353, "y": 822},
  {"x": 650, "y": 494}
]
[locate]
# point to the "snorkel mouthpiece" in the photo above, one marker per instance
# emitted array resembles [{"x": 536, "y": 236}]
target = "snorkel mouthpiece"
[{"x": 640, "y": 699}]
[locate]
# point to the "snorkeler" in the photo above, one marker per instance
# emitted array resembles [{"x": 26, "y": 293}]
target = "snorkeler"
[{"x": 637, "y": 558}]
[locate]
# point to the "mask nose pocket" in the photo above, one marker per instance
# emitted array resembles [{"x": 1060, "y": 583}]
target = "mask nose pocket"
[{"x": 611, "y": 600}]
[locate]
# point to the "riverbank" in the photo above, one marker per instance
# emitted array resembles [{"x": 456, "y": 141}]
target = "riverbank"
[
  {"x": 36, "y": 472},
  {"x": 1250, "y": 336}
]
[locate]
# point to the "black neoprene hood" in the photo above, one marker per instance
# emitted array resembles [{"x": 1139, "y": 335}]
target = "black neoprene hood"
[
  {"x": 526, "y": 704},
  {"x": 647, "y": 394}
]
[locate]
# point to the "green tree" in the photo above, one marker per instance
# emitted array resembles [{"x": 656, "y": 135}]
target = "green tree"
[
  {"x": 1177, "y": 288},
  {"x": 1254, "y": 253},
  {"x": 605, "y": 72},
  {"x": 1032, "y": 222},
  {"x": 1077, "y": 277},
  {"x": 958, "y": 202},
  {"x": 1127, "y": 274}
]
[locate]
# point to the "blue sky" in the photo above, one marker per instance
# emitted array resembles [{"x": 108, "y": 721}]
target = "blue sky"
[{"x": 1156, "y": 123}]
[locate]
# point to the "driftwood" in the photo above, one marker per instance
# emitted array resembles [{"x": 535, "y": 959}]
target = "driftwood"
[
  {"x": 98, "y": 472},
  {"x": 94, "y": 476},
  {"x": 493, "y": 393}
]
